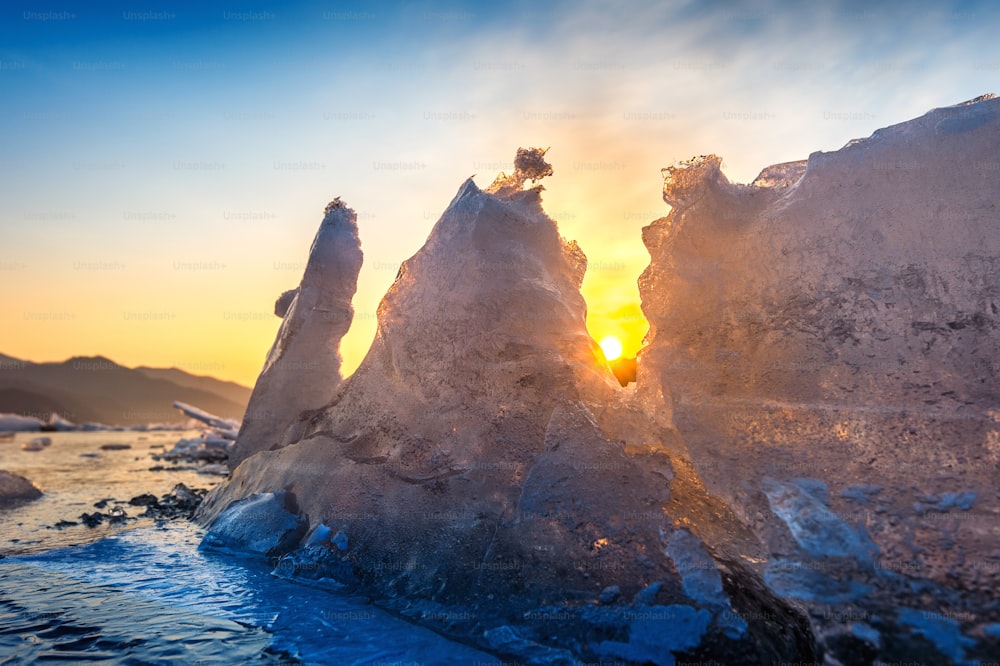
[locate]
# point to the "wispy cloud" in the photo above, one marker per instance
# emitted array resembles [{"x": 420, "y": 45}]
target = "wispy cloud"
[{"x": 392, "y": 108}]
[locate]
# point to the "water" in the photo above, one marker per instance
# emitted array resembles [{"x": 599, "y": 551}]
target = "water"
[
  {"x": 143, "y": 593},
  {"x": 73, "y": 481}
]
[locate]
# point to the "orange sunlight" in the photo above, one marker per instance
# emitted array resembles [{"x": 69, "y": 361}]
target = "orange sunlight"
[{"x": 612, "y": 347}]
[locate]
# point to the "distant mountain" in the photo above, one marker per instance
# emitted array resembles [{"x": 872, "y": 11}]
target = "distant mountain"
[
  {"x": 98, "y": 389},
  {"x": 29, "y": 403},
  {"x": 229, "y": 390},
  {"x": 6, "y": 362}
]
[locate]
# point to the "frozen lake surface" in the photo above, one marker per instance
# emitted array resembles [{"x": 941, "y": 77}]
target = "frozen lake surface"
[{"x": 143, "y": 593}]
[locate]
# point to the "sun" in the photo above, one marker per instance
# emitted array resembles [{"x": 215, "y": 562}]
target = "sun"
[{"x": 612, "y": 347}]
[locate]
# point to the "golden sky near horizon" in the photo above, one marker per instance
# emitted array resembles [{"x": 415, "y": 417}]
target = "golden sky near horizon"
[
  {"x": 159, "y": 189},
  {"x": 209, "y": 311}
]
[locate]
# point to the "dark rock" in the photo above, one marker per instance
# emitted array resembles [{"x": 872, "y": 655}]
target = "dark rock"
[
  {"x": 181, "y": 502},
  {"x": 14, "y": 487},
  {"x": 145, "y": 499},
  {"x": 92, "y": 519},
  {"x": 185, "y": 494}
]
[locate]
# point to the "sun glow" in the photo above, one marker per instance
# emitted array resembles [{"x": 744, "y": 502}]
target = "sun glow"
[{"x": 612, "y": 347}]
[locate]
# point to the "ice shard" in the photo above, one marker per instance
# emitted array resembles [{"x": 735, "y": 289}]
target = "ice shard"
[
  {"x": 302, "y": 370},
  {"x": 483, "y": 464}
]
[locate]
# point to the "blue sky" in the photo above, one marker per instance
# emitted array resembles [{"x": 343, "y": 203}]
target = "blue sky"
[{"x": 164, "y": 166}]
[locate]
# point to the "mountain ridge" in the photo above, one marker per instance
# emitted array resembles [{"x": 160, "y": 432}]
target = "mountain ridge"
[{"x": 96, "y": 388}]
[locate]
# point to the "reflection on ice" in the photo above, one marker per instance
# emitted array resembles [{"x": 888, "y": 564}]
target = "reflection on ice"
[{"x": 152, "y": 595}]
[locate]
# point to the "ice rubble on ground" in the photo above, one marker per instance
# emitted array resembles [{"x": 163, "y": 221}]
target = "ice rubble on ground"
[
  {"x": 215, "y": 444},
  {"x": 18, "y": 423},
  {"x": 56, "y": 423},
  {"x": 37, "y": 443},
  {"x": 815, "y": 337},
  {"x": 224, "y": 428},
  {"x": 265, "y": 524}
]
